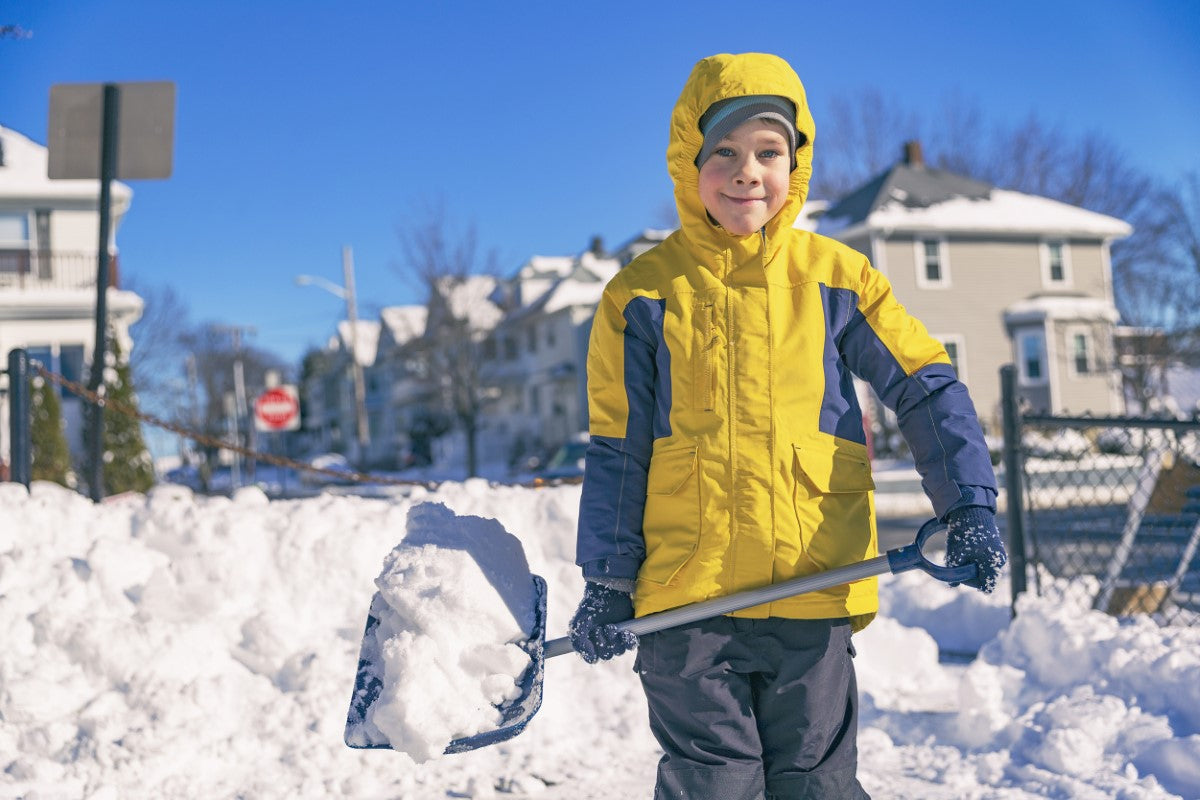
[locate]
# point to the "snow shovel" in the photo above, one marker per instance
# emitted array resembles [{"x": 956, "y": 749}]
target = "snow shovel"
[{"x": 517, "y": 713}]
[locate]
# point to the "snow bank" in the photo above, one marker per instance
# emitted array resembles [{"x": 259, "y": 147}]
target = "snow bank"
[{"x": 172, "y": 646}]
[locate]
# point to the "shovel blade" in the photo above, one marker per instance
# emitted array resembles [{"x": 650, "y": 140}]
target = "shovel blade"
[{"x": 361, "y": 733}]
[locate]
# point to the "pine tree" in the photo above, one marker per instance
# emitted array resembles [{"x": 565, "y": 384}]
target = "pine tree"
[
  {"x": 51, "y": 456},
  {"x": 127, "y": 463}
]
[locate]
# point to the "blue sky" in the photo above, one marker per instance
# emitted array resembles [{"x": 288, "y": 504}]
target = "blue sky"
[{"x": 303, "y": 126}]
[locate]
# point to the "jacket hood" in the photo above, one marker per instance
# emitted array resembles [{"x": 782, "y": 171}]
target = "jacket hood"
[{"x": 717, "y": 78}]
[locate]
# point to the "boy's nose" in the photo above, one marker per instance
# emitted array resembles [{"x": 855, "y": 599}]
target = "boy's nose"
[{"x": 746, "y": 173}]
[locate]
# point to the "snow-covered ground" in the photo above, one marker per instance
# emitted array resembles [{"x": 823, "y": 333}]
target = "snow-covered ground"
[{"x": 173, "y": 646}]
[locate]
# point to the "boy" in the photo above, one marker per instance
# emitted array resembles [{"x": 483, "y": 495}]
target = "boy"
[{"x": 727, "y": 452}]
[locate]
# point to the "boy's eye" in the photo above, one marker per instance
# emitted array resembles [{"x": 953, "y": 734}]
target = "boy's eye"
[
  {"x": 723, "y": 151},
  {"x": 769, "y": 154}
]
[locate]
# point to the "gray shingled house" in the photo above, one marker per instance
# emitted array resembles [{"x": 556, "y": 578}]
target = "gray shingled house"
[{"x": 997, "y": 276}]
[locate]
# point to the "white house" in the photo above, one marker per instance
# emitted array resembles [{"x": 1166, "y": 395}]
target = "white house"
[
  {"x": 48, "y": 264},
  {"x": 327, "y": 388},
  {"x": 538, "y": 352},
  {"x": 396, "y": 389}
]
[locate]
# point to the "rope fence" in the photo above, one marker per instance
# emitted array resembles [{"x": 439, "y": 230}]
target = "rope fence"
[{"x": 205, "y": 440}]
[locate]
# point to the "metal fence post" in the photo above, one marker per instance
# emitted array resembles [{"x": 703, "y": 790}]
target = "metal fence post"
[
  {"x": 20, "y": 417},
  {"x": 1013, "y": 476}
]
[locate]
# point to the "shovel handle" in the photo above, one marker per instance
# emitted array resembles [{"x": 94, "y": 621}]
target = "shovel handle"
[{"x": 900, "y": 559}]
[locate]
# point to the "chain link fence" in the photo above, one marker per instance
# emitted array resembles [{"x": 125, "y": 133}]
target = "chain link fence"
[{"x": 1107, "y": 513}]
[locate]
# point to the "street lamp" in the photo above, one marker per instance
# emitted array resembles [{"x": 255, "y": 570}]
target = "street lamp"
[{"x": 346, "y": 293}]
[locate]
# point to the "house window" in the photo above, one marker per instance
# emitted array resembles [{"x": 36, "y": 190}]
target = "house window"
[
  {"x": 535, "y": 405},
  {"x": 933, "y": 266},
  {"x": 1056, "y": 264},
  {"x": 14, "y": 243},
  {"x": 510, "y": 348},
  {"x": 532, "y": 338},
  {"x": 956, "y": 349},
  {"x": 1032, "y": 351},
  {"x": 1079, "y": 344},
  {"x": 65, "y": 360}
]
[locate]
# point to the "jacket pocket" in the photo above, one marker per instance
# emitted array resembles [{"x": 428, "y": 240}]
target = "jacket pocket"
[
  {"x": 832, "y": 496},
  {"x": 671, "y": 525},
  {"x": 703, "y": 366}
]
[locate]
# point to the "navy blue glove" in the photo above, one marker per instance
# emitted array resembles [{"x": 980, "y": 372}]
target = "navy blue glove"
[
  {"x": 592, "y": 632},
  {"x": 972, "y": 538}
]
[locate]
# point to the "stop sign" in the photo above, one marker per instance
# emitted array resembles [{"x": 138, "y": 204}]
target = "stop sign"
[{"x": 277, "y": 409}]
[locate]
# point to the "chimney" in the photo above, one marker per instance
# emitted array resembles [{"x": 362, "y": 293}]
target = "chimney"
[
  {"x": 597, "y": 247},
  {"x": 912, "y": 153}
]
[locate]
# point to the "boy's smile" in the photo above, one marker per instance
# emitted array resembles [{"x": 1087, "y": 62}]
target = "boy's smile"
[{"x": 745, "y": 181}]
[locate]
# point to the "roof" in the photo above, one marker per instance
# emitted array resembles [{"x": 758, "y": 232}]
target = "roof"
[
  {"x": 1041, "y": 307},
  {"x": 26, "y": 166},
  {"x": 368, "y": 340},
  {"x": 921, "y": 198},
  {"x": 404, "y": 323},
  {"x": 469, "y": 299}
]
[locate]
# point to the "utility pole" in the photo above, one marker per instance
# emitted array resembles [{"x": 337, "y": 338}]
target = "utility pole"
[
  {"x": 239, "y": 396},
  {"x": 360, "y": 391}
]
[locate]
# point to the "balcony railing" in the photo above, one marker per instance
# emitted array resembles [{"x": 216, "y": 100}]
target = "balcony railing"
[{"x": 52, "y": 269}]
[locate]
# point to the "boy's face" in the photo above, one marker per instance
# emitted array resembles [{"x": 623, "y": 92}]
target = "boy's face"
[{"x": 745, "y": 181}]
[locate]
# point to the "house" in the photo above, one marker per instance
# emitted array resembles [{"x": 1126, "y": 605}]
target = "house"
[
  {"x": 48, "y": 268},
  {"x": 396, "y": 390},
  {"x": 327, "y": 389},
  {"x": 998, "y": 277},
  {"x": 537, "y": 354}
]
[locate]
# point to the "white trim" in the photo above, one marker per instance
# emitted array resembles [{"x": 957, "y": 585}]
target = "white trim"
[
  {"x": 960, "y": 347},
  {"x": 1089, "y": 340},
  {"x": 1053, "y": 374},
  {"x": 1044, "y": 254},
  {"x": 879, "y": 253},
  {"x": 943, "y": 255},
  {"x": 1106, "y": 264}
]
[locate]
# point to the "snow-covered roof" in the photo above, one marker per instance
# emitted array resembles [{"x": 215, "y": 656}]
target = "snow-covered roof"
[
  {"x": 470, "y": 299},
  {"x": 404, "y": 323},
  {"x": 368, "y": 339},
  {"x": 590, "y": 264},
  {"x": 545, "y": 266},
  {"x": 1042, "y": 307},
  {"x": 913, "y": 197},
  {"x": 810, "y": 215},
  {"x": 24, "y": 171}
]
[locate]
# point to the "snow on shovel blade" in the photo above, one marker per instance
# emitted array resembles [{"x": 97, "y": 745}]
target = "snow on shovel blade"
[{"x": 368, "y": 683}]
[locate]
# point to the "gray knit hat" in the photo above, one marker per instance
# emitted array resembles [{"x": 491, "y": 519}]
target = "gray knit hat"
[{"x": 725, "y": 115}]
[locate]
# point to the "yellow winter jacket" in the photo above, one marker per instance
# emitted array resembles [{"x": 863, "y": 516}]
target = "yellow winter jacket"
[{"x": 727, "y": 447}]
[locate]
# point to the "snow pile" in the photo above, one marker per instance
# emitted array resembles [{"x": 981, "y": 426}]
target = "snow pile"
[
  {"x": 455, "y": 598},
  {"x": 172, "y": 646}
]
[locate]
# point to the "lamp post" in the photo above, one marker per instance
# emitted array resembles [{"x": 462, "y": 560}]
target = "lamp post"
[{"x": 346, "y": 293}]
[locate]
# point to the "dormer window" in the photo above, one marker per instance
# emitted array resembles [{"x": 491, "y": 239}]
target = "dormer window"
[
  {"x": 1056, "y": 263},
  {"x": 933, "y": 265}
]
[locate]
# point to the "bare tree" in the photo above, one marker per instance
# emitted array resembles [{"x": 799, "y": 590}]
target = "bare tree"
[
  {"x": 8, "y": 31},
  {"x": 861, "y": 138},
  {"x": 159, "y": 353},
  {"x": 214, "y": 354},
  {"x": 456, "y": 279}
]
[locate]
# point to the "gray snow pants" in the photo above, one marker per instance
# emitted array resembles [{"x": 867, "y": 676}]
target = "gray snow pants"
[{"x": 747, "y": 708}]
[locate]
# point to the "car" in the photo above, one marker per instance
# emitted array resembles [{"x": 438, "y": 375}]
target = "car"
[{"x": 566, "y": 464}]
